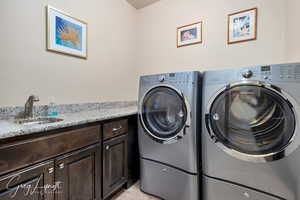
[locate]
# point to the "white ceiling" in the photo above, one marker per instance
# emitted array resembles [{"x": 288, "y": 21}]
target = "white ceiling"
[{"x": 141, "y": 3}]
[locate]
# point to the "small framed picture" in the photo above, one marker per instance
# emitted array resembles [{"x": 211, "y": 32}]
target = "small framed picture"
[
  {"x": 189, "y": 34},
  {"x": 242, "y": 26},
  {"x": 66, "y": 34}
]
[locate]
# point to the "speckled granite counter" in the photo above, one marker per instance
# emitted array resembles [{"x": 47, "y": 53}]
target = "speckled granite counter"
[{"x": 110, "y": 111}]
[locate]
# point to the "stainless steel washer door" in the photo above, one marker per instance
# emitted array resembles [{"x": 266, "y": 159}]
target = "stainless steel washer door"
[
  {"x": 163, "y": 113},
  {"x": 251, "y": 121}
]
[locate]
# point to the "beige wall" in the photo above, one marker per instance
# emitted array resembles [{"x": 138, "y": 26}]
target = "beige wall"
[
  {"x": 26, "y": 68},
  {"x": 157, "y": 35},
  {"x": 293, "y": 36},
  {"x": 125, "y": 42}
]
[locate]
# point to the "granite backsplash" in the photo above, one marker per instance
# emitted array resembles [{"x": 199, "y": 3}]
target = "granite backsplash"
[{"x": 43, "y": 110}]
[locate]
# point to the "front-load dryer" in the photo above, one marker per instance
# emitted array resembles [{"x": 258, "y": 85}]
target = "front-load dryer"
[
  {"x": 251, "y": 136},
  {"x": 168, "y": 129}
]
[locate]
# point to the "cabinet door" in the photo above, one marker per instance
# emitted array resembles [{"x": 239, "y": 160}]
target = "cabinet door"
[
  {"x": 133, "y": 151},
  {"x": 114, "y": 164},
  {"x": 79, "y": 173},
  {"x": 32, "y": 183}
]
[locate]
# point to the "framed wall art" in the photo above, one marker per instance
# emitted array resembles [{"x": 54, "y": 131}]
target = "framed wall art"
[
  {"x": 66, "y": 34},
  {"x": 242, "y": 26},
  {"x": 189, "y": 34}
]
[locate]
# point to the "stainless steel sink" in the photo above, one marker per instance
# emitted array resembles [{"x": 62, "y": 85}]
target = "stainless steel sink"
[{"x": 38, "y": 120}]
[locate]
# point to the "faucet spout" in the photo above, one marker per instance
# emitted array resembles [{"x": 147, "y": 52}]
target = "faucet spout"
[{"x": 28, "y": 111}]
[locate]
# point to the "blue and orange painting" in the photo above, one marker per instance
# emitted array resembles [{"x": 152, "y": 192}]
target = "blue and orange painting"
[{"x": 68, "y": 34}]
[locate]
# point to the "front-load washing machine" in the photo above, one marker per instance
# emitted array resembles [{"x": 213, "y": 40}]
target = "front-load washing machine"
[
  {"x": 251, "y": 136},
  {"x": 168, "y": 130}
]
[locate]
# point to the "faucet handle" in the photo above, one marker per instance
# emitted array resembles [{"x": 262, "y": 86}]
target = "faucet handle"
[{"x": 34, "y": 98}]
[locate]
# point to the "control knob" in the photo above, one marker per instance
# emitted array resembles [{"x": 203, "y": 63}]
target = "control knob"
[
  {"x": 247, "y": 74},
  {"x": 161, "y": 78}
]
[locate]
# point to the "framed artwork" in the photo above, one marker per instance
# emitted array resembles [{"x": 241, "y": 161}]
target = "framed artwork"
[
  {"x": 189, "y": 34},
  {"x": 242, "y": 26},
  {"x": 66, "y": 34}
]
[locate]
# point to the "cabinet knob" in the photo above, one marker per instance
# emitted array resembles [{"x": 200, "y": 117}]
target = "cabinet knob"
[
  {"x": 117, "y": 129},
  {"x": 107, "y": 147},
  {"x": 51, "y": 170},
  {"x": 61, "y": 166}
]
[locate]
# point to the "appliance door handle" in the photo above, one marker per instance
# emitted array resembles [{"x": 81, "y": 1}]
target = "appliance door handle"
[
  {"x": 184, "y": 129},
  {"x": 207, "y": 118}
]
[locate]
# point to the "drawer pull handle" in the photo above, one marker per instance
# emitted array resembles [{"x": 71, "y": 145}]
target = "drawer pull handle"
[
  {"x": 246, "y": 194},
  {"x": 107, "y": 147},
  {"x": 116, "y": 129},
  {"x": 51, "y": 170},
  {"x": 61, "y": 166}
]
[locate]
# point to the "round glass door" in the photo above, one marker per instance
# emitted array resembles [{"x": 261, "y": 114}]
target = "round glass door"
[
  {"x": 163, "y": 113},
  {"x": 252, "y": 119}
]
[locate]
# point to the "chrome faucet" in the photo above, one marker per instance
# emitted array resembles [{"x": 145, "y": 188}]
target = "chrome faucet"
[{"x": 28, "y": 111}]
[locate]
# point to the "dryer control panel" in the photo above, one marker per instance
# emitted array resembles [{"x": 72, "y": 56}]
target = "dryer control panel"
[
  {"x": 256, "y": 73},
  {"x": 269, "y": 73},
  {"x": 288, "y": 72}
]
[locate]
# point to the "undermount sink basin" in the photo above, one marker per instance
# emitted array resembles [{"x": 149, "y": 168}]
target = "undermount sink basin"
[{"x": 39, "y": 120}]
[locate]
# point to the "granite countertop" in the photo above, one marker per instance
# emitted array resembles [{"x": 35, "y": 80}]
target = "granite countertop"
[{"x": 10, "y": 129}]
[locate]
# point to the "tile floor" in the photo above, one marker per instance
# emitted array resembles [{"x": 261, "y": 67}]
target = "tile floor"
[{"x": 133, "y": 193}]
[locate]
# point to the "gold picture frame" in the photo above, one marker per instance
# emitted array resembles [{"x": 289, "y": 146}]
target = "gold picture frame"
[
  {"x": 66, "y": 34},
  {"x": 190, "y": 34},
  {"x": 242, "y": 26}
]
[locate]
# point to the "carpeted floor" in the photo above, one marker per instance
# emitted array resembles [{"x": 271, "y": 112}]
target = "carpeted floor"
[{"x": 133, "y": 193}]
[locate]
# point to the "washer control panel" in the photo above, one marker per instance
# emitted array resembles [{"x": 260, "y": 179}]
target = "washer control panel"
[
  {"x": 178, "y": 78},
  {"x": 175, "y": 78}
]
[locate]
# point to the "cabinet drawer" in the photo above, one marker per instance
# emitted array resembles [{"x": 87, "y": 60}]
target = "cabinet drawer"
[
  {"x": 216, "y": 189},
  {"x": 115, "y": 128},
  {"x": 28, "y": 183},
  {"x": 28, "y": 152}
]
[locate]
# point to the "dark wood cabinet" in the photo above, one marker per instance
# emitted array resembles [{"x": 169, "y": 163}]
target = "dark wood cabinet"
[
  {"x": 86, "y": 162},
  {"x": 114, "y": 164},
  {"x": 133, "y": 151},
  {"x": 30, "y": 151},
  {"x": 115, "y": 128},
  {"x": 79, "y": 174},
  {"x": 32, "y": 183}
]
